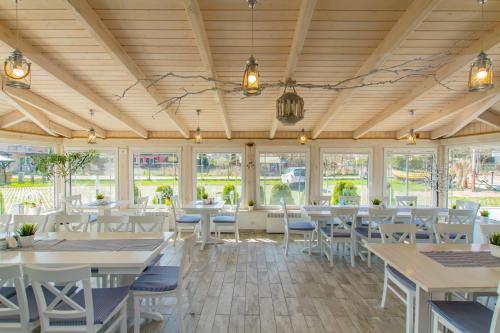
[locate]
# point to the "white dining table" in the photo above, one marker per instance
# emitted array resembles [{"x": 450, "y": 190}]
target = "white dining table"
[
  {"x": 102, "y": 209},
  {"x": 434, "y": 279},
  {"x": 205, "y": 210}
]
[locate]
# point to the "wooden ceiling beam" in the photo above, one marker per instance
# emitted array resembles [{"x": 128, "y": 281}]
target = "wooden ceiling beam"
[
  {"x": 469, "y": 99},
  {"x": 467, "y": 115},
  {"x": 29, "y": 97},
  {"x": 92, "y": 22},
  {"x": 197, "y": 24},
  {"x": 55, "y": 70},
  {"x": 61, "y": 130},
  {"x": 488, "y": 41},
  {"x": 490, "y": 118},
  {"x": 301, "y": 28},
  {"x": 407, "y": 23},
  {"x": 12, "y": 118}
]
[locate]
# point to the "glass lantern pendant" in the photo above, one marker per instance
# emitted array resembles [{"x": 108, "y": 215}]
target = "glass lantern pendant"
[
  {"x": 17, "y": 71},
  {"x": 481, "y": 73},
  {"x": 412, "y": 137},
  {"x": 251, "y": 79},
  {"x": 197, "y": 138},
  {"x": 92, "y": 137},
  {"x": 302, "y": 139}
]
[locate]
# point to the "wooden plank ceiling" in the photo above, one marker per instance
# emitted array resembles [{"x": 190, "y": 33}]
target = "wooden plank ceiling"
[{"x": 85, "y": 53}]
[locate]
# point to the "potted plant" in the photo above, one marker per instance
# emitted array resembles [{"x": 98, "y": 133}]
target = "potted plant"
[
  {"x": 485, "y": 216},
  {"x": 251, "y": 205},
  {"x": 33, "y": 207},
  {"x": 26, "y": 233},
  {"x": 495, "y": 244},
  {"x": 454, "y": 206},
  {"x": 376, "y": 202},
  {"x": 100, "y": 198},
  {"x": 204, "y": 196}
]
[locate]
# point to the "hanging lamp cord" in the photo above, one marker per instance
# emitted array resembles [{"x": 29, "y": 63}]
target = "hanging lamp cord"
[
  {"x": 17, "y": 26},
  {"x": 252, "y": 31}
]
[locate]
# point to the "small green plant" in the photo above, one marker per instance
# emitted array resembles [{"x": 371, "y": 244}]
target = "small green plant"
[
  {"x": 226, "y": 194},
  {"x": 29, "y": 204},
  {"x": 281, "y": 191},
  {"x": 343, "y": 188},
  {"x": 204, "y": 196},
  {"x": 164, "y": 192},
  {"x": 454, "y": 206},
  {"x": 200, "y": 190},
  {"x": 99, "y": 196},
  {"x": 376, "y": 201},
  {"x": 484, "y": 213},
  {"x": 251, "y": 203},
  {"x": 495, "y": 238},
  {"x": 26, "y": 230}
]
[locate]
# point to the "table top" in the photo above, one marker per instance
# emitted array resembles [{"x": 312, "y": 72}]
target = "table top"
[
  {"x": 96, "y": 205},
  {"x": 430, "y": 275},
  {"x": 134, "y": 261},
  {"x": 199, "y": 205}
]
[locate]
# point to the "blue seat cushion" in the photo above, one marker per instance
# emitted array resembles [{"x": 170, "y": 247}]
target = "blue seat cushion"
[
  {"x": 301, "y": 225},
  {"x": 401, "y": 278},
  {"x": 422, "y": 235},
  {"x": 363, "y": 231},
  {"x": 189, "y": 219},
  {"x": 7, "y": 292},
  {"x": 105, "y": 302},
  {"x": 224, "y": 219},
  {"x": 92, "y": 218},
  {"x": 454, "y": 235},
  {"x": 155, "y": 260},
  {"x": 468, "y": 317},
  {"x": 336, "y": 234},
  {"x": 157, "y": 279}
]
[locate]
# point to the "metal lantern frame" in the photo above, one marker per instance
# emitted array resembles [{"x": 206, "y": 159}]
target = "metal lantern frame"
[
  {"x": 481, "y": 82},
  {"x": 302, "y": 138},
  {"x": 290, "y": 107},
  {"x": 251, "y": 68}
]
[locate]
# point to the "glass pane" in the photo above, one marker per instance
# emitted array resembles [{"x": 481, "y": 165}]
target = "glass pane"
[
  {"x": 410, "y": 175},
  {"x": 19, "y": 181},
  {"x": 345, "y": 174},
  {"x": 219, "y": 176},
  {"x": 475, "y": 176},
  {"x": 156, "y": 175},
  {"x": 98, "y": 177},
  {"x": 282, "y": 175}
]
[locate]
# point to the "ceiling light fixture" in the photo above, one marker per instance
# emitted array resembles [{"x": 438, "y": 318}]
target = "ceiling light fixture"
[
  {"x": 481, "y": 70},
  {"x": 16, "y": 68},
  {"x": 302, "y": 138},
  {"x": 412, "y": 136},
  {"x": 290, "y": 106},
  {"x": 92, "y": 137},
  {"x": 197, "y": 138},
  {"x": 251, "y": 76}
]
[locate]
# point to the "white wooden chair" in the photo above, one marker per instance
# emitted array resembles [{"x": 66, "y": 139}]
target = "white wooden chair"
[
  {"x": 321, "y": 200},
  {"x": 78, "y": 223},
  {"x": 406, "y": 200},
  {"x": 72, "y": 202},
  {"x": 153, "y": 223},
  {"x": 39, "y": 220},
  {"x": 228, "y": 223},
  {"x": 158, "y": 282},
  {"x": 399, "y": 233},
  {"x": 15, "y": 316},
  {"x": 424, "y": 219},
  {"x": 305, "y": 228},
  {"x": 349, "y": 200},
  {"x": 113, "y": 223},
  {"x": 370, "y": 233},
  {"x": 185, "y": 222},
  {"x": 469, "y": 205},
  {"x": 453, "y": 233},
  {"x": 488, "y": 229},
  {"x": 6, "y": 223},
  {"x": 142, "y": 205},
  {"x": 340, "y": 232},
  {"x": 87, "y": 310},
  {"x": 461, "y": 216}
]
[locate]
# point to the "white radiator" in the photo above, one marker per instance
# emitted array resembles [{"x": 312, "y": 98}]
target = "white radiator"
[{"x": 275, "y": 223}]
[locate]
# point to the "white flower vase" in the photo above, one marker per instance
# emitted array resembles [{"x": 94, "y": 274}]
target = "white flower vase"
[
  {"x": 250, "y": 208},
  {"x": 485, "y": 219},
  {"x": 206, "y": 201},
  {"x": 34, "y": 210},
  {"x": 26, "y": 241},
  {"x": 495, "y": 250}
]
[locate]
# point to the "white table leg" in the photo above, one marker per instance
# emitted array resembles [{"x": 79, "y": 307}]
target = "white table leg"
[
  {"x": 205, "y": 232},
  {"x": 422, "y": 311}
]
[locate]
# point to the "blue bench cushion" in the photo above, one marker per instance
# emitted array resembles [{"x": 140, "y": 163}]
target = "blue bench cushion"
[
  {"x": 336, "y": 234},
  {"x": 401, "y": 278},
  {"x": 157, "y": 278},
  {"x": 422, "y": 235},
  {"x": 468, "y": 317},
  {"x": 363, "y": 231},
  {"x": 189, "y": 219},
  {"x": 299, "y": 225},
  {"x": 7, "y": 292},
  {"x": 224, "y": 219}
]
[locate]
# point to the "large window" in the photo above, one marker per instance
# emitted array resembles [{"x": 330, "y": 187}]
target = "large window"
[
  {"x": 98, "y": 177},
  {"x": 19, "y": 181},
  {"x": 219, "y": 175},
  {"x": 410, "y": 174},
  {"x": 475, "y": 175},
  {"x": 282, "y": 175},
  {"x": 156, "y": 175},
  {"x": 345, "y": 174}
]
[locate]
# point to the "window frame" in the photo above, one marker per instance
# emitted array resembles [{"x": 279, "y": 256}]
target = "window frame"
[{"x": 282, "y": 149}]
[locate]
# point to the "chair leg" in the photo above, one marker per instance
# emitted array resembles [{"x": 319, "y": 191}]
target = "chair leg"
[
  {"x": 286, "y": 244},
  {"x": 384, "y": 291},
  {"x": 310, "y": 243},
  {"x": 369, "y": 259},
  {"x": 175, "y": 237},
  {"x": 351, "y": 253},
  {"x": 237, "y": 234},
  {"x": 331, "y": 253},
  {"x": 137, "y": 314},
  {"x": 409, "y": 313},
  {"x": 435, "y": 323},
  {"x": 123, "y": 324}
]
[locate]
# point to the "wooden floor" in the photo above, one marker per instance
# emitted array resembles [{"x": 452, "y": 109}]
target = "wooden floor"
[{"x": 253, "y": 287}]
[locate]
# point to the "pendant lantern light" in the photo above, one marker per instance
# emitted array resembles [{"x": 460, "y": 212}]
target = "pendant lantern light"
[
  {"x": 412, "y": 136},
  {"x": 290, "y": 106},
  {"x": 302, "y": 139},
  {"x": 251, "y": 77},
  {"x": 92, "y": 137},
  {"x": 481, "y": 70},
  {"x": 16, "y": 68},
  {"x": 198, "y": 138}
]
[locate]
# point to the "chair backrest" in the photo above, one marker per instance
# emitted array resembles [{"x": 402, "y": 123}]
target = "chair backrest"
[
  {"x": 13, "y": 315},
  {"x": 55, "y": 304},
  {"x": 73, "y": 201},
  {"x": 39, "y": 220},
  {"x": 495, "y": 321},
  {"x": 349, "y": 200},
  {"x": 142, "y": 205},
  {"x": 174, "y": 205},
  {"x": 186, "y": 259},
  {"x": 378, "y": 216},
  {"x": 321, "y": 200},
  {"x": 5, "y": 223},
  {"x": 398, "y": 233},
  {"x": 153, "y": 223},
  {"x": 406, "y": 200},
  {"x": 453, "y": 233},
  {"x": 461, "y": 216},
  {"x": 488, "y": 229},
  {"x": 78, "y": 222},
  {"x": 424, "y": 219},
  {"x": 470, "y": 205},
  {"x": 345, "y": 218},
  {"x": 113, "y": 223},
  {"x": 285, "y": 214}
]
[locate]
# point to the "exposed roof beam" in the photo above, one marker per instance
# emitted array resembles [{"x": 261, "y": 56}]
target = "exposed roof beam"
[
  {"x": 465, "y": 117},
  {"x": 12, "y": 118},
  {"x": 61, "y": 130},
  {"x": 69, "y": 80},
  {"x": 458, "y": 105},
  {"x": 200, "y": 35},
  {"x": 407, "y": 23},
  {"x": 47, "y": 106},
  {"x": 490, "y": 118},
  {"x": 92, "y": 22},
  {"x": 301, "y": 28},
  {"x": 488, "y": 41}
]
